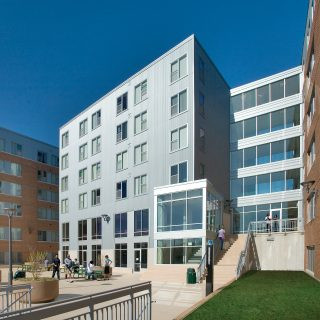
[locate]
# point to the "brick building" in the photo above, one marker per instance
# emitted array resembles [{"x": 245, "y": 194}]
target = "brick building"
[{"x": 29, "y": 179}]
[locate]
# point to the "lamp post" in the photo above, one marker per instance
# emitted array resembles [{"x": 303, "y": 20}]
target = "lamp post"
[
  {"x": 10, "y": 212},
  {"x": 106, "y": 217}
]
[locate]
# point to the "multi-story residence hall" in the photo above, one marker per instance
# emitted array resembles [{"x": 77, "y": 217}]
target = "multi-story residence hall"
[
  {"x": 29, "y": 184},
  {"x": 311, "y": 91},
  {"x": 133, "y": 155},
  {"x": 266, "y": 149}
]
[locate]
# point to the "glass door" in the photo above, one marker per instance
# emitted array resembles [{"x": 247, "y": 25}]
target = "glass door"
[
  {"x": 276, "y": 215},
  {"x": 137, "y": 260}
]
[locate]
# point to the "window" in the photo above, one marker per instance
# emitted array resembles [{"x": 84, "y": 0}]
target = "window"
[
  {"x": 236, "y": 131},
  {"x": 249, "y": 157},
  {"x": 277, "y": 151},
  {"x": 179, "y": 103},
  {"x": 140, "y": 153},
  {"x": 64, "y": 205},
  {"x": 293, "y": 179},
  {"x": 64, "y": 183},
  {"x": 249, "y": 99},
  {"x": 277, "y": 120},
  {"x": 65, "y": 139},
  {"x": 96, "y": 171},
  {"x": 55, "y": 160},
  {"x": 179, "y": 211},
  {"x": 178, "y": 173},
  {"x": 263, "y": 95},
  {"x": 65, "y": 231},
  {"x": 140, "y": 122},
  {"x": 178, "y": 68},
  {"x": 16, "y": 149},
  {"x": 311, "y": 155},
  {"x": 311, "y": 110},
  {"x": 201, "y": 70},
  {"x": 249, "y": 186},
  {"x": 179, "y": 138},
  {"x": 96, "y": 119},
  {"x": 292, "y": 85},
  {"x": 121, "y": 190},
  {"x": 236, "y": 103},
  {"x": 48, "y": 177},
  {"x": 236, "y": 188},
  {"x": 11, "y": 168},
  {"x": 277, "y": 90},
  {"x": 96, "y": 228},
  {"x": 42, "y": 157},
  {"x": 2, "y": 144},
  {"x": 311, "y": 207},
  {"x": 65, "y": 252},
  {"x": 120, "y": 225},
  {"x": 83, "y": 176},
  {"x": 95, "y": 197},
  {"x": 141, "y": 222},
  {"x": 292, "y": 116},
  {"x": 48, "y": 214},
  {"x": 16, "y": 233},
  {"x": 96, "y": 145},
  {"x": 202, "y": 140},
  {"x": 82, "y": 230},
  {"x": 140, "y": 92},
  {"x": 249, "y": 128},
  {"x": 236, "y": 159},
  {"x": 277, "y": 181},
  {"x": 311, "y": 258},
  {"x": 122, "y": 160},
  {"x": 47, "y": 195},
  {"x": 263, "y": 124},
  {"x": 140, "y": 185},
  {"x": 263, "y": 153},
  {"x": 201, "y": 104},
  {"x": 120, "y": 255},
  {"x": 82, "y": 254},
  {"x": 122, "y": 131},
  {"x": 83, "y": 152},
  {"x": 263, "y": 183},
  {"x": 10, "y": 189},
  {"x": 83, "y": 201},
  {"x": 83, "y": 128},
  {"x": 11, "y": 205},
  {"x": 96, "y": 254},
  {"x": 202, "y": 169},
  {"x": 65, "y": 161},
  {"x": 179, "y": 251},
  {"x": 48, "y": 236},
  {"x": 122, "y": 103},
  {"x": 293, "y": 148}
]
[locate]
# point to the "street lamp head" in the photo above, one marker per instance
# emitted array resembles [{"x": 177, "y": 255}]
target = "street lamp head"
[
  {"x": 9, "y": 211},
  {"x": 106, "y": 217},
  {"x": 307, "y": 184}
]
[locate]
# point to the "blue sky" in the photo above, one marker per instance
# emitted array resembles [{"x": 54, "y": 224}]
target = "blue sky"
[{"x": 58, "y": 57}]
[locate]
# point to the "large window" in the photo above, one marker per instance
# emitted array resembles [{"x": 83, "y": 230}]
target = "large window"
[
  {"x": 16, "y": 233},
  {"x": 122, "y": 160},
  {"x": 179, "y": 251},
  {"x": 82, "y": 254},
  {"x": 48, "y": 214},
  {"x": 96, "y": 228},
  {"x": 179, "y": 103},
  {"x": 140, "y": 185},
  {"x": 277, "y": 120},
  {"x": 179, "y": 211},
  {"x": 95, "y": 197},
  {"x": 65, "y": 232},
  {"x": 64, "y": 183},
  {"x": 11, "y": 205},
  {"x": 82, "y": 230},
  {"x": 96, "y": 254},
  {"x": 140, "y": 92},
  {"x": 120, "y": 254},
  {"x": 83, "y": 128},
  {"x": 96, "y": 145},
  {"x": 179, "y": 68},
  {"x": 140, "y": 153},
  {"x": 121, "y": 190},
  {"x": 83, "y": 152},
  {"x": 83, "y": 201},
  {"x": 47, "y": 195},
  {"x": 310, "y": 258},
  {"x": 96, "y": 119},
  {"x": 55, "y": 160},
  {"x": 311, "y": 207},
  {"x": 141, "y": 222},
  {"x": 311, "y": 155},
  {"x": 42, "y": 157},
  {"x": 83, "y": 176},
  {"x": 277, "y": 181},
  {"x": 264, "y": 94},
  {"x": 122, "y": 103},
  {"x": 96, "y": 171},
  {"x": 120, "y": 225},
  {"x": 179, "y": 172},
  {"x": 48, "y": 177},
  {"x": 48, "y": 236},
  {"x": 65, "y": 161},
  {"x": 64, "y": 205},
  {"x": 122, "y": 131},
  {"x": 16, "y": 149},
  {"x": 140, "y": 122},
  {"x": 10, "y": 189},
  {"x": 65, "y": 139},
  {"x": 9, "y": 167},
  {"x": 179, "y": 138}
]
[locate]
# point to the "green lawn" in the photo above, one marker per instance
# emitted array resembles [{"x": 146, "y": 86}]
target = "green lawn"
[{"x": 265, "y": 295}]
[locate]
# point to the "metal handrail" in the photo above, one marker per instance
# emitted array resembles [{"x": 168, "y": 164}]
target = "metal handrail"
[
  {"x": 244, "y": 253},
  {"x": 68, "y": 305},
  {"x": 202, "y": 267},
  {"x": 278, "y": 225}
]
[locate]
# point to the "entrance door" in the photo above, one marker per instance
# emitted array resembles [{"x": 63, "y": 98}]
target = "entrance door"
[
  {"x": 276, "y": 215},
  {"x": 137, "y": 260}
]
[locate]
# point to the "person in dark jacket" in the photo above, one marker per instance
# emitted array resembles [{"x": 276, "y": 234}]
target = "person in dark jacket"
[{"x": 56, "y": 267}]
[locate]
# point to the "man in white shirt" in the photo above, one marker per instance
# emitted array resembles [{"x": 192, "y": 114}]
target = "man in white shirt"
[
  {"x": 221, "y": 235},
  {"x": 90, "y": 272}
]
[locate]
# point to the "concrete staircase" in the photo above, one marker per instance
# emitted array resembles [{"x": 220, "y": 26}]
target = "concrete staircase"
[{"x": 227, "y": 261}]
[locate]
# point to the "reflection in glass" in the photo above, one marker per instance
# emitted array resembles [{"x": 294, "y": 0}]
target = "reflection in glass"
[
  {"x": 277, "y": 120},
  {"x": 277, "y": 90},
  {"x": 263, "y": 153},
  {"x": 277, "y": 181},
  {"x": 249, "y": 127},
  {"x": 263, "y": 123},
  {"x": 249, "y": 99},
  {"x": 249, "y": 186},
  {"x": 277, "y": 150},
  {"x": 263, "y": 95}
]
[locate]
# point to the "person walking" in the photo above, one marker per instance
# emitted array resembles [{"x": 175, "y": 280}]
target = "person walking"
[
  {"x": 56, "y": 267},
  {"x": 68, "y": 264},
  {"x": 267, "y": 219},
  {"x": 221, "y": 236},
  {"x": 90, "y": 272},
  {"x": 107, "y": 265}
]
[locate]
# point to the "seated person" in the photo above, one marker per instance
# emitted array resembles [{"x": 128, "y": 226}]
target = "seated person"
[
  {"x": 90, "y": 272},
  {"x": 75, "y": 266}
]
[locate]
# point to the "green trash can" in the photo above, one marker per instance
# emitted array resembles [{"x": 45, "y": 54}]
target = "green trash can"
[{"x": 191, "y": 276}]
